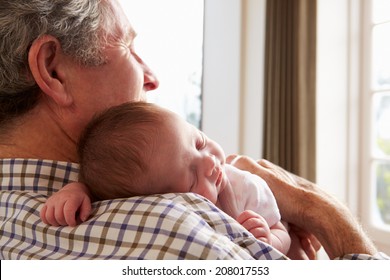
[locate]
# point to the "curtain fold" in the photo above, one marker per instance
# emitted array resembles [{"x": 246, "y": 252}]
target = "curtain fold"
[{"x": 290, "y": 67}]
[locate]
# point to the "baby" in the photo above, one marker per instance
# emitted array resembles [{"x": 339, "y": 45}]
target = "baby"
[{"x": 141, "y": 149}]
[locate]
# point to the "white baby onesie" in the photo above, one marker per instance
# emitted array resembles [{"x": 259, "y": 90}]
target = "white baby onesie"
[{"x": 247, "y": 191}]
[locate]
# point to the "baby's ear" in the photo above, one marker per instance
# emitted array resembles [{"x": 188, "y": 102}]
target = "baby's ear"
[{"x": 47, "y": 65}]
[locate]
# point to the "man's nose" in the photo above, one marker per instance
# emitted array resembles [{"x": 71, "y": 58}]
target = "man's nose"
[{"x": 150, "y": 80}]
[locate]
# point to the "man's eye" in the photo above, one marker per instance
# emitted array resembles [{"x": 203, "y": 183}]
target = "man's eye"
[{"x": 131, "y": 47}]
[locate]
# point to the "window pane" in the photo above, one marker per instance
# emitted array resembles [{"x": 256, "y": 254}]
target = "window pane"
[
  {"x": 381, "y": 124},
  {"x": 380, "y": 10},
  {"x": 381, "y": 57},
  {"x": 383, "y": 191},
  {"x": 170, "y": 40}
]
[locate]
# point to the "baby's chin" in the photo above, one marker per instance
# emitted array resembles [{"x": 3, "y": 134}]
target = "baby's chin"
[{"x": 223, "y": 183}]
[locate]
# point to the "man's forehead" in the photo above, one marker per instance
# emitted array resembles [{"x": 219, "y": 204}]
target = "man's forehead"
[{"x": 121, "y": 26}]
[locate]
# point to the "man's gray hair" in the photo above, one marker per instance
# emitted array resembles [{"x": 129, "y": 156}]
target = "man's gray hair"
[{"x": 81, "y": 26}]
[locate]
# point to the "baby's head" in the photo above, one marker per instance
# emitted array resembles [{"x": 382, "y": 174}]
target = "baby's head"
[
  {"x": 115, "y": 149},
  {"x": 140, "y": 149}
]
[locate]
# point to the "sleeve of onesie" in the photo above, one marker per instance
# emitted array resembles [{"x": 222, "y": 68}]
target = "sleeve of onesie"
[{"x": 254, "y": 194}]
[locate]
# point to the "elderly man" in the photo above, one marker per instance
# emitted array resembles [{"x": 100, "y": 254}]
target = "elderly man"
[{"x": 61, "y": 62}]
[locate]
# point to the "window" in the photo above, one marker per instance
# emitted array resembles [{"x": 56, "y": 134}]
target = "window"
[
  {"x": 353, "y": 91},
  {"x": 195, "y": 48},
  {"x": 376, "y": 108},
  {"x": 170, "y": 41}
]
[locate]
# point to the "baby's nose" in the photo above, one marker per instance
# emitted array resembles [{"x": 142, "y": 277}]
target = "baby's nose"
[{"x": 210, "y": 162}]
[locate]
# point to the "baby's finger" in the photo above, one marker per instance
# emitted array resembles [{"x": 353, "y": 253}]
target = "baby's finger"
[
  {"x": 248, "y": 214},
  {"x": 42, "y": 214},
  {"x": 59, "y": 214},
  {"x": 69, "y": 214},
  {"x": 50, "y": 217},
  {"x": 260, "y": 233},
  {"x": 253, "y": 223},
  {"x": 85, "y": 209}
]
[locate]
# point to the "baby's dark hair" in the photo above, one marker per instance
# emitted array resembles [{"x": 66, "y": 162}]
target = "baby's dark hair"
[{"x": 115, "y": 149}]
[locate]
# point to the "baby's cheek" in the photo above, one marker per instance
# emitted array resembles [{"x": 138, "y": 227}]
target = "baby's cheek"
[{"x": 209, "y": 194}]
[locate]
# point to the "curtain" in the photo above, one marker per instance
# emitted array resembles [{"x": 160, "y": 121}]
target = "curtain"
[{"x": 290, "y": 81}]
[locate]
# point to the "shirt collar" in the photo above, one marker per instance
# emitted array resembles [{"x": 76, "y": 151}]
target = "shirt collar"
[{"x": 36, "y": 175}]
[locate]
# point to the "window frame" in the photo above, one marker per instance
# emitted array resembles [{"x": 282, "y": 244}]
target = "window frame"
[
  {"x": 378, "y": 232},
  {"x": 343, "y": 108}
]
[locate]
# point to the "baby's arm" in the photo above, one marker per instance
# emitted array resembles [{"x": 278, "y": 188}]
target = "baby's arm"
[
  {"x": 280, "y": 237},
  {"x": 277, "y": 236},
  {"x": 63, "y": 207}
]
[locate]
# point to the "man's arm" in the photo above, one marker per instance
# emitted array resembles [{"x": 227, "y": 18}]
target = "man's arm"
[{"x": 304, "y": 204}]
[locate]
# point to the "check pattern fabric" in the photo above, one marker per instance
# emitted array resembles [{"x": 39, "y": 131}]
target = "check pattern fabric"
[{"x": 170, "y": 226}]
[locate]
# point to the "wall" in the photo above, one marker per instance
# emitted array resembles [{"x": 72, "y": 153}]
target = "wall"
[{"x": 233, "y": 74}]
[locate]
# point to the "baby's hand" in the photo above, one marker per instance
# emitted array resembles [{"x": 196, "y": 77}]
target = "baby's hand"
[
  {"x": 62, "y": 208},
  {"x": 256, "y": 225}
]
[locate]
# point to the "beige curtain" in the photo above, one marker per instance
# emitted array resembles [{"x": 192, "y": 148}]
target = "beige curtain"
[{"x": 289, "y": 130}]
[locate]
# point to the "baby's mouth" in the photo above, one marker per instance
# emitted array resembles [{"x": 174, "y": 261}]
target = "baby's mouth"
[{"x": 219, "y": 178}]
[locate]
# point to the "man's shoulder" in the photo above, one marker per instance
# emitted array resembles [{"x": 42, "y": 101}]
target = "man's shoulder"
[
  {"x": 36, "y": 175},
  {"x": 171, "y": 226}
]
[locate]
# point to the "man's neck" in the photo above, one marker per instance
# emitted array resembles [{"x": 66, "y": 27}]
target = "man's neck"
[{"x": 37, "y": 136}]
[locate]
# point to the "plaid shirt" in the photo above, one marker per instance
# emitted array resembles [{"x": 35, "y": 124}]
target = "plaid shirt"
[{"x": 170, "y": 226}]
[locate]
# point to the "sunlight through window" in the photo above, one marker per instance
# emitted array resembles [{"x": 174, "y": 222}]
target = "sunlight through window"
[{"x": 170, "y": 41}]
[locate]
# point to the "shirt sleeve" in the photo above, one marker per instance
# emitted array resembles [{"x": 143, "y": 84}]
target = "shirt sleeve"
[
  {"x": 170, "y": 226},
  {"x": 377, "y": 256}
]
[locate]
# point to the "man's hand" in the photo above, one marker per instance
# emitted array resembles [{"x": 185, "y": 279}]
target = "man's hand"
[
  {"x": 304, "y": 246},
  {"x": 304, "y": 204}
]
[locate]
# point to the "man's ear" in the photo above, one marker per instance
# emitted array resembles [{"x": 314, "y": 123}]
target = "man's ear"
[{"x": 47, "y": 67}]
